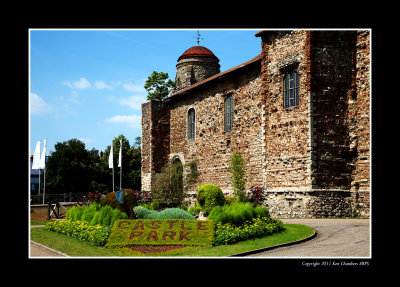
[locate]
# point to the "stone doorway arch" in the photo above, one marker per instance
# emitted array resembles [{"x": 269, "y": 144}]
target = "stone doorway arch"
[{"x": 177, "y": 175}]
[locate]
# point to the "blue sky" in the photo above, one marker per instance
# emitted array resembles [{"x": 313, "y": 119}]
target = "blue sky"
[{"x": 88, "y": 84}]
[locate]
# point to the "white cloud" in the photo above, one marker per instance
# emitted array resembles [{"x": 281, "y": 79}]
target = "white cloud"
[
  {"x": 133, "y": 121},
  {"x": 134, "y": 102},
  {"x": 78, "y": 85},
  {"x": 101, "y": 85},
  {"x": 87, "y": 141},
  {"x": 38, "y": 106},
  {"x": 135, "y": 87}
]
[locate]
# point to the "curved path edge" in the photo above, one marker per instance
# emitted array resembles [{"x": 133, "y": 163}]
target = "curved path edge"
[
  {"x": 263, "y": 249},
  {"x": 49, "y": 251}
]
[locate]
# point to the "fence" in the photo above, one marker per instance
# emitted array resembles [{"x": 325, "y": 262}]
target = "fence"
[{"x": 52, "y": 198}]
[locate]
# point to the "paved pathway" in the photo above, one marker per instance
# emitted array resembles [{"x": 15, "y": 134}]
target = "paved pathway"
[
  {"x": 39, "y": 250},
  {"x": 336, "y": 238}
]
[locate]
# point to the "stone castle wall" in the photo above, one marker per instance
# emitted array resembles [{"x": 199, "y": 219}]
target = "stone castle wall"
[
  {"x": 311, "y": 160},
  {"x": 287, "y": 130},
  {"x": 155, "y": 140}
]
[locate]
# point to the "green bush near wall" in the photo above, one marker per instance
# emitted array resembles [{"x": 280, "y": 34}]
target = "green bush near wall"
[
  {"x": 209, "y": 196},
  {"x": 184, "y": 232}
]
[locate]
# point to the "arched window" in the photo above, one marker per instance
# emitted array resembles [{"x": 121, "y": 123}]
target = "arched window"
[
  {"x": 291, "y": 89},
  {"x": 191, "y": 124},
  {"x": 228, "y": 113}
]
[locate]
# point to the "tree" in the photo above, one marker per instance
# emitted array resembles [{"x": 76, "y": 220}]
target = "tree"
[
  {"x": 168, "y": 189},
  {"x": 70, "y": 168},
  {"x": 158, "y": 86}
]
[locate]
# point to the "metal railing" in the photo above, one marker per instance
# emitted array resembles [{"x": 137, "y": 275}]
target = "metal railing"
[{"x": 52, "y": 198}]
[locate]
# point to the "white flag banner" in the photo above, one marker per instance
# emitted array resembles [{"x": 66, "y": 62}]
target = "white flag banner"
[
  {"x": 36, "y": 156},
  {"x": 111, "y": 159},
  {"x": 120, "y": 154},
  {"x": 42, "y": 162}
]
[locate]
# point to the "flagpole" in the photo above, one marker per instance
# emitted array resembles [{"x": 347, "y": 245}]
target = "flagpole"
[
  {"x": 36, "y": 161},
  {"x": 44, "y": 184},
  {"x": 111, "y": 164},
  {"x": 44, "y": 167},
  {"x": 39, "y": 182},
  {"x": 120, "y": 162}
]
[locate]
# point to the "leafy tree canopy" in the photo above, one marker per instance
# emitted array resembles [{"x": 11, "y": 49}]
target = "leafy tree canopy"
[
  {"x": 158, "y": 86},
  {"x": 72, "y": 168}
]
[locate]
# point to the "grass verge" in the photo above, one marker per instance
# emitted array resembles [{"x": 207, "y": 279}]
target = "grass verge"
[
  {"x": 68, "y": 245},
  {"x": 75, "y": 247}
]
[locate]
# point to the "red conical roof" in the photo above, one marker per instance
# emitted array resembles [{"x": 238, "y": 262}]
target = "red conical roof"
[{"x": 198, "y": 51}]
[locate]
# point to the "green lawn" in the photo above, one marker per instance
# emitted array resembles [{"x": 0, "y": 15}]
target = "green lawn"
[
  {"x": 75, "y": 247},
  {"x": 68, "y": 245}
]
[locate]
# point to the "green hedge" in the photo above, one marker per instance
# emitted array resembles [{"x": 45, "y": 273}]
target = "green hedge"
[{"x": 185, "y": 232}]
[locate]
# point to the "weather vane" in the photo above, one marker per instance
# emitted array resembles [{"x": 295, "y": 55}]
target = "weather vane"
[{"x": 198, "y": 38}]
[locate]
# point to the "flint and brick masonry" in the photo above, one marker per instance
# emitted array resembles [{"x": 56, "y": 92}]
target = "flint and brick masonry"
[{"x": 310, "y": 155}]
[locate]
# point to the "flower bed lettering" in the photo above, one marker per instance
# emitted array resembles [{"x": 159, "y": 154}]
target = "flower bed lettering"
[{"x": 161, "y": 232}]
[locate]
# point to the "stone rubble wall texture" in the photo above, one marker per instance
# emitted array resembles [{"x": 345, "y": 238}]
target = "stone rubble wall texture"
[
  {"x": 312, "y": 160},
  {"x": 213, "y": 146}
]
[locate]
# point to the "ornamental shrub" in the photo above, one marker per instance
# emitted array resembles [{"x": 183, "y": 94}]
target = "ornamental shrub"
[
  {"x": 88, "y": 212},
  {"x": 238, "y": 176},
  {"x": 168, "y": 188},
  {"x": 230, "y": 199},
  {"x": 169, "y": 213},
  {"x": 237, "y": 213},
  {"x": 96, "y": 234},
  {"x": 95, "y": 218},
  {"x": 142, "y": 212},
  {"x": 254, "y": 228},
  {"x": 194, "y": 210},
  {"x": 107, "y": 215},
  {"x": 261, "y": 211},
  {"x": 175, "y": 213},
  {"x": 94, "y": 214},
  {"x": 209, "y": 196},
  {"x": 130, "y": 199},
  {"x": 218, "y": 215},
  {"x": 255, "y": 195},
  {"x": 110, "y": 200}
]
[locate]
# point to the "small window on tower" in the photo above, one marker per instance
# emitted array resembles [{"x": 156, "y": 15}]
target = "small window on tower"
[{"x": 191, "y": 124}]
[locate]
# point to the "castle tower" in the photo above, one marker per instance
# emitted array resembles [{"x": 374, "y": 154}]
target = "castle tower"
[{"x": 196, "y": 64}]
